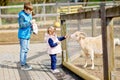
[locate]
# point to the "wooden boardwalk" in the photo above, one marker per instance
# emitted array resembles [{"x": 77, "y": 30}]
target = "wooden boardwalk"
[{"x": 37, "y": 58}]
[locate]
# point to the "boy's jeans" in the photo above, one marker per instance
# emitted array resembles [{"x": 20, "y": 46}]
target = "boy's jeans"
[{"x": 24, "y": 47}]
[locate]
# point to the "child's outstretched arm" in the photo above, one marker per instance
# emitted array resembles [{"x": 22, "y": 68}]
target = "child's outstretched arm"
[{"x": 62, "y": 37}]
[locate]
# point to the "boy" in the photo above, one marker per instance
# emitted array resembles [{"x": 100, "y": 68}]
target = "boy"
[{"x": 24, "y": 33}]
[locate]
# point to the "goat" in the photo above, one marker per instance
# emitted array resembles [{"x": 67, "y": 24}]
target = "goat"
[{"x": 90, "y": 45}]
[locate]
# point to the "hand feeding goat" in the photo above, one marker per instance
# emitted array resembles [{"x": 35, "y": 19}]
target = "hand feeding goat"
[{"x": 90, "y": 45}]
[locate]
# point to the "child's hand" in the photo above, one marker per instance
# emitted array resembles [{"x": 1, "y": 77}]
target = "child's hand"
[
  {"x": 33, "y": 21},
  {"x": 58, "y": 42},
  {"x": 67, "y": 36},
  {"x": 35, "y": 28}
]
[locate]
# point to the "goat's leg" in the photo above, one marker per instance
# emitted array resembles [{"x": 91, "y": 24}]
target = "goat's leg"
[
  {"x": 92, "y": 60},
  {"x": 86, "y": 56}
]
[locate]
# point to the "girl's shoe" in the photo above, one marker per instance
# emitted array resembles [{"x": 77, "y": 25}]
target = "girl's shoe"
[{"x": 55, "y": 71}]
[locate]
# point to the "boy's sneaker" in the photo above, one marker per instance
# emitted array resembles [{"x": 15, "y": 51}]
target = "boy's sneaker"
[
  {"x": 26, "y": 67},
  {"x": 55, "y": 71}
]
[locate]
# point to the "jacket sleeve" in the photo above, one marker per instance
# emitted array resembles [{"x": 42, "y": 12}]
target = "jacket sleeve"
[
  {"x": 22, "y": 23},
  {"x": 51, "y": 43},
  {"x": 61, "y": 38}
]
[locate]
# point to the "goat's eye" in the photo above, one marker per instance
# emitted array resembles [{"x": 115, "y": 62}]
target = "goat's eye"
[{"x": 76, "y": 35}]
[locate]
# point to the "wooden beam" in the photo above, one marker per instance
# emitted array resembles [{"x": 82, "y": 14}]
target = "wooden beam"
[
  {"x": 74, "y": 16},
  {"x": 110, "y": 12},
  {"x": 113, "y": 12},
  {"x": 80, "y": 72}
]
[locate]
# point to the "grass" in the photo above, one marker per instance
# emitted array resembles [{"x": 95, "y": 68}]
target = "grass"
[{"x": 98, "y": 0}]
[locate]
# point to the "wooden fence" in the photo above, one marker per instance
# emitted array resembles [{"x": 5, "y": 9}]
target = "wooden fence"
[
  {"x": 45, "y": 12},
  {"x": 106, "y": 16}
]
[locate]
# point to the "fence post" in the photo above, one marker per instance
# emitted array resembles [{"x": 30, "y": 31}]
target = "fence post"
[
  {"x": 113, "y": 75},
  {"x": 69, "y": 9},
  {"x": 0, "y": 18},
  {"x": 110, "y": 45},
  {"x": 44, "y": 12},
  {"x": 56, "y": 10},
  {"x": 104, "y": 41},
  {"x": 64, "y": 48},
  {"x": 93, "y": 24}
]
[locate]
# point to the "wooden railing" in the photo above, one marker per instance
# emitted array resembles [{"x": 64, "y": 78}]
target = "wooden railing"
[{"x": 69, "y": 9}]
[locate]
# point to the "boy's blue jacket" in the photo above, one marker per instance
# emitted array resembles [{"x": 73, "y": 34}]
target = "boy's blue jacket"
[{"x": 25, "y": 30}]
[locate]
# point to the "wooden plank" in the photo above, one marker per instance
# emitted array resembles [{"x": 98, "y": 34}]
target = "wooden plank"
[
  {"x": 11, "y": 73},
  {"x": 47, "y": 73},
  {"x": 37, "y": 72},
  {"x": 11, "y": 66},
  {"x": 22, "y": 74},
  {"x": 68, "y": 9},
  {"x": 80, "y": 72},
  {"x": 113, "y": 11},
  {"x": 27, "y": 74},
  {"x": 6, "y": 73},
  {"x": 110, "y": 12},
  {"x": 110, "y": 45},
  {"x": 16, "y": 67},
  {"x": 1, "y": 72},
  {"x": 74, "y": 16},
  {"x": 33, "y": 75}
]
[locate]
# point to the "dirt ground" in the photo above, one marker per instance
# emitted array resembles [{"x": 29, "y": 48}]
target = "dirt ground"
[
  {"x": 11, "y": 36},
  {"x": 98, "y": 71}
]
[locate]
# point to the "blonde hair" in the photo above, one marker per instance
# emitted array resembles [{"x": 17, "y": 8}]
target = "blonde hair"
[{"x": 49, "y": 28}]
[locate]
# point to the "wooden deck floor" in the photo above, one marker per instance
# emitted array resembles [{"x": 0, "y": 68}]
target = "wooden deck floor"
[
  {"x": 11, "y": 71},
  {"x": 10, "y": 67},
  {"x": 37, "y": 58}
]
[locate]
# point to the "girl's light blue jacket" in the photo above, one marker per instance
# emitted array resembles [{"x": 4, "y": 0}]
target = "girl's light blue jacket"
[{"x": 24, "y": 30}]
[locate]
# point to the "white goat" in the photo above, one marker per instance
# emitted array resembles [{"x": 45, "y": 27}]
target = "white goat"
[
  {"x": 90, "y": 45},
  {"x": 116, "y": 41}
]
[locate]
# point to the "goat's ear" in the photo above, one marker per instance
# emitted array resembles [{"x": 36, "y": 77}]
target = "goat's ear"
[{"x": 83, "y": 35}]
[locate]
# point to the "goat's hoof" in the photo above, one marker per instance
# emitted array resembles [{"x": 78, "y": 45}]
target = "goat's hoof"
[
  {"x": 92, "y": 68},
  {"x": 85, "y": 66}
]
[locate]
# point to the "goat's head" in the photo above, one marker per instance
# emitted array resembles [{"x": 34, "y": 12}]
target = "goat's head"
[
  {"x": 78, "y": 35},
  {"x": 116, "y": 41}
]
